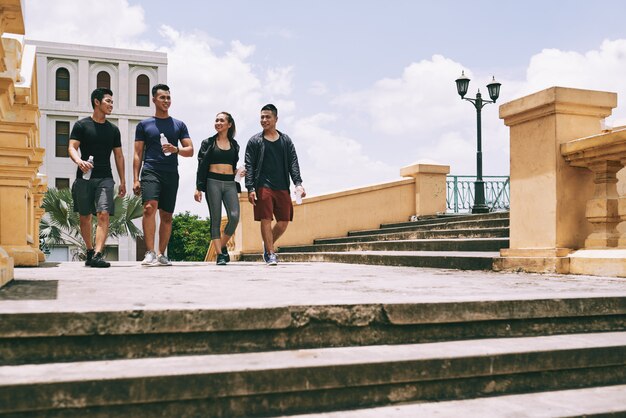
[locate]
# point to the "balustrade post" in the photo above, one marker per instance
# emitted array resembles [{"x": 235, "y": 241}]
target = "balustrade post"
[
  {"x": 602, "y": 210},
  {"x": 430, "y": 187}
]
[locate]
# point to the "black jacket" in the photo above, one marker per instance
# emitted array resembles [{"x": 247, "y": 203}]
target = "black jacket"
[
  {"x": 254, "y": 160},
  {"x": 204, "y": 161}
]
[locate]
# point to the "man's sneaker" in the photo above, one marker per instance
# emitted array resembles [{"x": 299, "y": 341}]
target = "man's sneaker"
[
  {"x": 162, "y": 260},
  {"x": 225, "y": 254},
  {"x": 99, "y": 261},
  {"x": 150, "y": 259},
  {"x": 90, "y": 254},
  {"x": 272, "y": 260},
  {"x": 221, "y": 260},
  {"x": 266, "y": 255}
]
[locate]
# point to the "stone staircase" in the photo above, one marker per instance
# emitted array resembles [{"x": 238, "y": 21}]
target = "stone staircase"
[
  {"x": 311, "y": 359},
  {"x": 466, "y": 242}
]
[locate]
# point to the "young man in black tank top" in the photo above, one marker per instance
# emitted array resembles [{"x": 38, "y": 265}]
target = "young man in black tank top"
[{"x": 271, "y": 160}]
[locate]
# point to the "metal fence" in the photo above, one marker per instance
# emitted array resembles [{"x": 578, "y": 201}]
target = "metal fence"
[{"x": 460, "y": 193}]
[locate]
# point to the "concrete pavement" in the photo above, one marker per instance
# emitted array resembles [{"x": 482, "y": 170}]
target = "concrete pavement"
[{"x": 62, "y": 287}]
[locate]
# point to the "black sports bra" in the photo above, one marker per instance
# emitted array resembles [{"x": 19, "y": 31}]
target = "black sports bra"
[{"x": 220, "y": 156}]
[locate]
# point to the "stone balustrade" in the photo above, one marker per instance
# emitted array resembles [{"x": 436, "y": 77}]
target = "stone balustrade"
[{"x": 604, "y": 155}]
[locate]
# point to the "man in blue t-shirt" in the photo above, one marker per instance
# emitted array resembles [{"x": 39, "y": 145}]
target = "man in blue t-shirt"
[{"x": 158, "y": 184}]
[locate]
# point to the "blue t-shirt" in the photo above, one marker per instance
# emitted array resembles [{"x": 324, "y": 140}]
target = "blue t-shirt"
[{"x": 149, "y": 131}]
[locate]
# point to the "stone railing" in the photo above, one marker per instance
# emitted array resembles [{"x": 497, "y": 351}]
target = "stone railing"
[
  {"x": 604, "y": 155},
  {"x": 332, "y": 215}
]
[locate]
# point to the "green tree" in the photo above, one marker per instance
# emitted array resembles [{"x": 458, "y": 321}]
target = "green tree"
[
  {"x": 190, "y": 238},
  {"x": 60, "y": 225}
]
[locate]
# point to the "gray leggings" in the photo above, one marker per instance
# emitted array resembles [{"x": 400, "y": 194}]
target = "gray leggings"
[{"x": 218, "y": 191}]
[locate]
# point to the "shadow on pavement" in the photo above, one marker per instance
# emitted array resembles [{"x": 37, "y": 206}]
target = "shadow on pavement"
[{"x": 30, "y": 290}]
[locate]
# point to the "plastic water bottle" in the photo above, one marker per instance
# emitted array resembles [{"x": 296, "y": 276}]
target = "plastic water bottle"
[
  {"x": 298, "y": 194},
  {"x": 238, "y": 174},
  {"x": 87, "y": 175},
  {"x": 163, "y": 142}
]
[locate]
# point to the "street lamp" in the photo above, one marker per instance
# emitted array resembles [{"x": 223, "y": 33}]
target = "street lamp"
[{"x": 462, "y": 84}]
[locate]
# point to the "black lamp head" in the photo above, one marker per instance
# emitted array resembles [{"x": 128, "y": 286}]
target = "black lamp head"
[
  {"x": 494, "y": 89},
  {"x": 462, "y": 84}
]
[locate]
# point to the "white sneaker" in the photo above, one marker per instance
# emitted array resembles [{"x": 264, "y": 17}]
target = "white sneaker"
[
  {"x": 162, "y": 260},
  {"x": 150, "y": 259}
]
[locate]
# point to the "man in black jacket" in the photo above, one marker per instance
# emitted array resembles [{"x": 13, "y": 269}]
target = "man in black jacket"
[{"x": 271, "y": 160}]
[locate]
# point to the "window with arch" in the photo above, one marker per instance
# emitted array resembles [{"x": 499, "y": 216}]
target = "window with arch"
[
  {"x": 62, "y": 85},
  {"x": 143, "y": 90},
  {"x": 103, "y": 80}
]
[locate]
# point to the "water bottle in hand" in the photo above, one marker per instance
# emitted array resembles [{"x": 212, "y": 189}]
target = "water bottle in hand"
[
  {"x": 239, "y": 174},
  {"x": 87, "y": 175},
  {"x": 163, "y": 142},
  {"x": 298, "y": 194}
]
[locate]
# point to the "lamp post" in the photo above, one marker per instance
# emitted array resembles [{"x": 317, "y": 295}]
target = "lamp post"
[{"x": 462, "y": 84}]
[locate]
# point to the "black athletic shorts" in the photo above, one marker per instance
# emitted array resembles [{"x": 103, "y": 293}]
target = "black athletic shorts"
[
  {"x": 161, "y": 186},
  {"x": 93, "y": 196}
]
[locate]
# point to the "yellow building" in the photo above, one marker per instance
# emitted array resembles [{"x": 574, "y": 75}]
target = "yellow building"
[{"x": 21, "y": 189}]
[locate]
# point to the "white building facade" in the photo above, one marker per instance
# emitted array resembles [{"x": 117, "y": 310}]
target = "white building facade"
[{"x": 67, "y": 74}]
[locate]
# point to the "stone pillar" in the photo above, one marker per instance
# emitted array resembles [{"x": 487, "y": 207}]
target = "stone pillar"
[
  {"x": 248, "y": 233},
  {"x": 39, "y": 189},
  {"x": 548, "y": 196},
  {"x": 430, "y": 187},
  {"x": 601, "y": 210}
]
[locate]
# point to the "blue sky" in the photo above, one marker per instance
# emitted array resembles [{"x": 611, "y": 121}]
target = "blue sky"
[{"x": 363, "y": 87}]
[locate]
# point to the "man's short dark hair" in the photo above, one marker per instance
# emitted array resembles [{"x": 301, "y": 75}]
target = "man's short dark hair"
[
  {"x": 156, "y": 87},
  {"x": 271, "y": 108},
  {"x": 98, "y": 94}
]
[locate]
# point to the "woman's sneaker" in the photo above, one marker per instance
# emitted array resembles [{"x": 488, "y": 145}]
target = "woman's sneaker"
[
  {"x": 99, "y": 261},
  {"x": 162, "y": 260},
  {"x": 221, "y": 260},
  {"x": 150, "y": 259},
  {"x": 225, "y": 254},
  {"x": 272, "y": 260}
]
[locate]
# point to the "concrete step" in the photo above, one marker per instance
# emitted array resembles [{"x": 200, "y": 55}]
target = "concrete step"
[
  {"x": 605, "y": 401},
  {"x": 438, "y": 226},
  {"x": 472, "y": 244},
  {"x": 49, "y": 336},
  {"x": 502, "y": 232},
  {"x": 288, "y": 382},
  {"x": 448, "y": 218},
  {"x": 434, "y": 259}
]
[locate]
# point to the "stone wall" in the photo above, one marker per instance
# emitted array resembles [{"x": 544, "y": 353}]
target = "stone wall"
[{"x": 21, "y": 189}]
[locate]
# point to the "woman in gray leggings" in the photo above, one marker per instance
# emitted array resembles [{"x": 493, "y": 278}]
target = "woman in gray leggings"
[{"x": 217, "y": 165}]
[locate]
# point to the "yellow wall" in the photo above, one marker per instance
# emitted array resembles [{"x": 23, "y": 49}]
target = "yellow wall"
[
  {"x": 335, "y": 214},
  {"x": 21, "y": 189}
]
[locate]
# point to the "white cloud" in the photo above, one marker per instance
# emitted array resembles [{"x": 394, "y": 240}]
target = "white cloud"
[
  {"x": 112, "y": 23},
  {"x": 423, "y": 98},
  {"x": 330, "y": 161},
  {"x": 598, "y": 69},
  {"x": 278, "y": 81}
]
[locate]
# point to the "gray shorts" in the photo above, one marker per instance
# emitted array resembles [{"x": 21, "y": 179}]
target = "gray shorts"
[
  {"x": 93, "y": 196},
  {"x": 161, "y": 186}
]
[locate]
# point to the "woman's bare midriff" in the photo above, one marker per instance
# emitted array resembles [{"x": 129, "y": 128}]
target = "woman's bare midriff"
[{"x": 221, "y": 168}]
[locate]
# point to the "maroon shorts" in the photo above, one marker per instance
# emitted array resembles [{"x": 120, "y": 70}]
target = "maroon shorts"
[{"x": 273, "y": 202}]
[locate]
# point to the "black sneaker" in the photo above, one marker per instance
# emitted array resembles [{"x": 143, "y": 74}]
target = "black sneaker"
[
  {"x": 225, "y": 254},
  {"x": 99, "y": 261},
  {"x": 89, "y": 259},
  {"x": 221, "y": 260}
]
